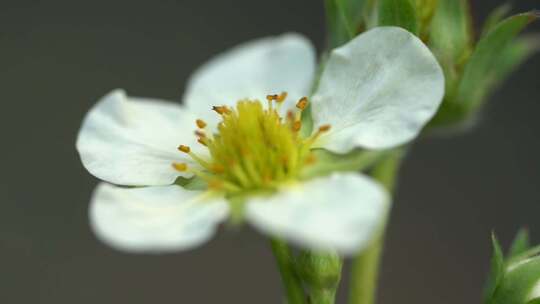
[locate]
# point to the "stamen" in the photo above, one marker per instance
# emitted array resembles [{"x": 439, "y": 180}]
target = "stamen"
[
  {"x": 220, "y": 184},
  {"x": 184, "y": 149},
  {"x": 324, "y": 128},
  {"x": 297, "y": 125},
  {"x": 201, "y": 161},
  {"x": 200, "y": 133},
  {"x": 281, "y": 97},
  {"x": 302, "y": 103},
  {"x": 272, "y": 97},
  {"x": 202, "y": 141},
  {"x": 253, "y": 147},
  {"x": 187, "y": 150},
  {"x": 200, "y": 123},
  {"x": 181, "y": 167},
  {"x": 221, "y": 110}
]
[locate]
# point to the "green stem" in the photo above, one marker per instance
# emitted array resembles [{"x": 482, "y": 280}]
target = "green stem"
[
  {"x": 365, "y": 266},
  {"x": 291, "y": 281}
]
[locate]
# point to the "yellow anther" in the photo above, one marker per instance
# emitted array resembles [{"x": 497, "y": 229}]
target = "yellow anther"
[
  {"x": 302, "y": 103},
  {"x": 221, "y": 109},
  {"x": 272, "y": 97},
  {"x": 202, "y": 142},
  {"x": 281, "y": 97},
  {"x": 200, "y": 133},
  {"x": 200, "y": 123},
  {"x": 324, "y": 128},
  {"x": 180, "y": 167},
  {"x": 297, "y": 125},
  {"x": 184, "y": 149}
]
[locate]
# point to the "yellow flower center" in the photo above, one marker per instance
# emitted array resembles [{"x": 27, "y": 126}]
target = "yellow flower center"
[{"x": 253, "y": 147}]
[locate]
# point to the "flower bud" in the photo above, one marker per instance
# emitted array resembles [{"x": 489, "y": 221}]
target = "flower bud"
[{"x": 320, "y": 271}]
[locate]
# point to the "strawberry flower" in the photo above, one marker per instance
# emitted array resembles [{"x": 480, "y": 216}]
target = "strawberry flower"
[{"x": 239, "y": 145}]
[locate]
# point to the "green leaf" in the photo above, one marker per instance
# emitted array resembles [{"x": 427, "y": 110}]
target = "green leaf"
[
  {"x": 398, "y": 13},
  {"x": 518, "y": 283},
  {"x": 451, "y": 40},
  {"x": 496, "y": 16},
  {"x": 496, "y": 274},
  {"x": 481, "y": 68},
  {"x": 520, "y": 244}
]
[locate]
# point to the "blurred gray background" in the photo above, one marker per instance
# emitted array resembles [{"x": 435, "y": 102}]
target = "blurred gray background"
[{"x": 57, "y": 58}]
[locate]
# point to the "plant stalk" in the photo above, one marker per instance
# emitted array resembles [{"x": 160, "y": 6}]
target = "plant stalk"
[
  {"x": 365, "y": 266},
  {"x": 292, "y": 283}
]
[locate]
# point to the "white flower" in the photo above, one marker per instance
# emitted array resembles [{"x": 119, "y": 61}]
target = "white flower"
[{"x": 376, "y": 92}]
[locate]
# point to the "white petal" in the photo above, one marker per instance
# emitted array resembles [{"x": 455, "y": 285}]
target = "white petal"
[
  {"x": 133, "y": 141},
  {"x": 253, "y": 70},
  {"x": 339, "y": 212},
  {"x": 154, "y": 219},
  {"x": 377, "y": 91}
]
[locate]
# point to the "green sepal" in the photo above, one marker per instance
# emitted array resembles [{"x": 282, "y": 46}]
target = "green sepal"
[
  {"x": 518, "y": 283},
  {"x": 514, "y": 55},
  {"x": 496, "y": 16},
  {"x": 496, "y": 274},
  {"x": 481, "y": 68},
  {"x": 345, "y": 19},
  {"x": 354, "y": 12},
  {"x": 327, "y": 162},
  {"x": 534, "y": 301},
  {"x": 520, "y": 244},
  {"x": 193, "y": 183},
  {"x": 400, "y": 13},
  {"x": 425, "y": 9},
  {"x": 451, "y": 40}
]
